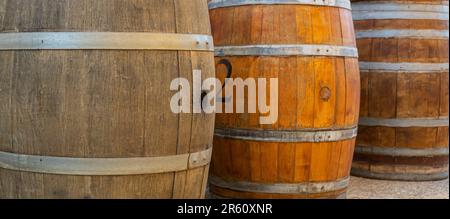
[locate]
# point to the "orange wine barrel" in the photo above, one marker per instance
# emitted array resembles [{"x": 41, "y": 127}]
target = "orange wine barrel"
[
  {"x": 85, "y": 99},
  {"x": 309, "y": 46},
  {"x": 403, "y": 47}
]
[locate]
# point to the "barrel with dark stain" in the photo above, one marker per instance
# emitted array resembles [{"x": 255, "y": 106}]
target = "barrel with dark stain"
[
  {"x": 403, "y": 47},
  {"x": 310, "y": 47},
  {"x": 85, "y": 99}
]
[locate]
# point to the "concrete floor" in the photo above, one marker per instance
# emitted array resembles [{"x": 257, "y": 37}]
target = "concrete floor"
[{"x": 361, "y": 188}]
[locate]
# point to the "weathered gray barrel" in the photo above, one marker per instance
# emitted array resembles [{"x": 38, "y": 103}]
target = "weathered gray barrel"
[{"x": 85, "y": 99}]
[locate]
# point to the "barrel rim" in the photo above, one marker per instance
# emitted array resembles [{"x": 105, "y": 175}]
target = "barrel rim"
[
  {"x": 215, "y": 195},
  {"x": 400, "y": 176},
  {"x": 214, "y": 4},
  {"x": 281, "y": 188}
]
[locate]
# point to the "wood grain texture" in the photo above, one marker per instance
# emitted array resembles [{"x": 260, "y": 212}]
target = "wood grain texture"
[
  {"x": 301, "y": 104},
  {"x": 101, "y": 104},
  {"x": 403, "y": 95}
]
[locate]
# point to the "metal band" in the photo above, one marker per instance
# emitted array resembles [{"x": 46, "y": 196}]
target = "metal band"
[
  {"x": 215, "y": 196},
  {"x": 398, "y": 15},
  {"x": 368, "y": 11},
  {"x": 281, "y": 188},
  {"x": 402, "y": 152},
  {"x": 403, "y": 67},
  {"x": 104, "y": 166},
  {"x": 287, "y": 136},
  {"x": 391, "y": 6},
  {"x": 104, "y": 41},
  {"x": 232, "y": 3},
  {"x": 404, "y": 123},
  {"x": 417, "y": 34},
  {"x": 442, "y": 174},
  {"x": 287, "y": 50}
]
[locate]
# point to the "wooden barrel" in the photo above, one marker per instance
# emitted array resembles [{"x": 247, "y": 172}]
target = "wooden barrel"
[
  {"x": 403, "y": 47},
  {"x": 85, "y": 99},
  {"x": 310, "y": 47}
]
